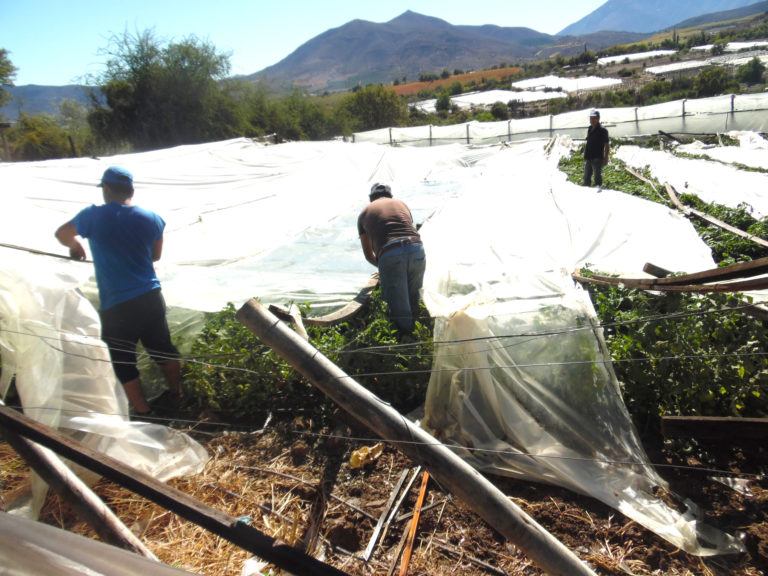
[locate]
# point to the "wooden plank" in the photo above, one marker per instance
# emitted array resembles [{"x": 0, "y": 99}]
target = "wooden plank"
[
  {"x": 755, "y": 310},
  {"x": 649, "y": 284},
  {"x": 221, "y": 524},
  {"x": 712, "y": 219},
  {"x": 399, "y": 504},
  {"x": 644, "y": 179},
  {"x": 346, "y": 313},
  {"x": 741, "y": 270},
  {"x": 386, "y": 513},
  {"x": 711, "y": 427},
  {"x": 443, "y": 463},
  {"x": 414, "y": 525}
]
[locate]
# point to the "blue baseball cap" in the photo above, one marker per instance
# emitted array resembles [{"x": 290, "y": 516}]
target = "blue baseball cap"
[{"x": 116, "y": 175}]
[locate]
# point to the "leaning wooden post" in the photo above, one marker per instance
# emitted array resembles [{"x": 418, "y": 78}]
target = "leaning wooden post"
[
  {"x": 447, "y": 468},
  {"x": 73, "y": 490}
]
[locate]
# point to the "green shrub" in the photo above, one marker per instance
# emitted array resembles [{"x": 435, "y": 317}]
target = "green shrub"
[{"x": 236, "y": 375}]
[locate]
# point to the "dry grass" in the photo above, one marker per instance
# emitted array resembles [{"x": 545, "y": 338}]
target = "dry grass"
[{"x": 274, "y": 479}]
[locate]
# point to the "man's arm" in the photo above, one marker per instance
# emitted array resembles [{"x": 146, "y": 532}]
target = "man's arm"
[
  {"x": 365, "y": 242},
  {"x": 157, "y": 249},
  {"x": 607, "y": 149},
  {"x": 67, "y": 235}
]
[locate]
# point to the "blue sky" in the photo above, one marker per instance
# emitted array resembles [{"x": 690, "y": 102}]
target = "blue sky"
[{"x": 53, "y": 42}]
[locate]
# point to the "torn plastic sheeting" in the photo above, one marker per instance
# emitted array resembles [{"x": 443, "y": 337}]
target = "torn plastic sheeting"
[
  {"x": 51, "y": 351},
  {"x": 28, "y": 547},
  {"x": 522, "y": 382},
  {"x": 708, "y": 180}
]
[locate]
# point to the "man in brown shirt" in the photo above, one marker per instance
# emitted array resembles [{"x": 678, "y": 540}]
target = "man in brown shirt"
[{"x": 391, "y": 242}]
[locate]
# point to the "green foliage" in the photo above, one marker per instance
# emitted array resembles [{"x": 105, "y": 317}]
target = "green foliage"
[
  {"x": 751, "y": 72},
  {"x": 374, "y": 107},
  {"x": 455, "y": 88},
  {"x": 7, "y": 74},
  {"x": 712, "y": 81},
  {"x": 684, "y": 353},
  {"x": 159, "y": 96},
  {"x": 244, "y": 378},
  {"x": 500, "y": 111},
  {"x": 239, "y": 377},
  {"x": 443, "y": 103},
  {"x": 38, "y": 138}
]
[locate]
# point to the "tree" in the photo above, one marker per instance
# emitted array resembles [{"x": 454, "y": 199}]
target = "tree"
[
  {"x": 712, "y": 81},
  {"x": 374, "y": 107},
  {"x": 7, "y": 75},
  {"x": 159, "y": 96},
  {"x": 751, "y": 72},
  {"x": 500, "y": 111},
  {"x": 443, "y": 103},
  {"x": 38, "y": 138}
]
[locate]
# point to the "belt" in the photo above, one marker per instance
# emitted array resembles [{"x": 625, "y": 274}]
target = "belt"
[{"x": 397, "y": 243}]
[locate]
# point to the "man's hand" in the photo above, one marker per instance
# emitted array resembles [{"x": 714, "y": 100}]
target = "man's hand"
[
  {"x": 76, "y": 251},
  {"x": 67, "y": 235}
]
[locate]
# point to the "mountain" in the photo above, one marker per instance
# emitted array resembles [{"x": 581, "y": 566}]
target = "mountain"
[
  {"x": 725, "y": 15},
  {"x": 33, "y": 99},
  {"x": 362, "y": 52},
  {"x": 647, "y": 16}
]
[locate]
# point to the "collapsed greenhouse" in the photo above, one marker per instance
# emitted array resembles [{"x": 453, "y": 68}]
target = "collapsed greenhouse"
[{"x": 522, "y": 383}]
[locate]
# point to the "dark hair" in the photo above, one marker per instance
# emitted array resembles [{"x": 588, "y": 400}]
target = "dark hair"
[
  {"x": 379, "y": 190},
  {"x": 120, "y": 188}
]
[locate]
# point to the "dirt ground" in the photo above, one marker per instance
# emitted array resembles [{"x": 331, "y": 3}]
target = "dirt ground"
[{"x": 276, "y": 479}]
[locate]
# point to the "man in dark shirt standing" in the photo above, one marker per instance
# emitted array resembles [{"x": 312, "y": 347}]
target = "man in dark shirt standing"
[
  {"x": 596, "y": 150},
  {"x": 391, "y": 242}
]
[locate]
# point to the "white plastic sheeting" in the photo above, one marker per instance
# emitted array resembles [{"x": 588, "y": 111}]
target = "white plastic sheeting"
[
  {"x": 713, "y": 182},
  {"x": 566, "y": 84},
  {"x": 677, "y": 67},
  {"x": 707, "y": 115},
  {"x": 634, "y": 57},
  {"x": 733, "y": 59},
  {"x": 502, "y": 230},
  {"x": 734, "y": 46},
  {"x": 521, "y": 377},
  {"x": 489, "y": 98},
  {"x": 752, "y": 150},
  {"x": 49, "y": 341},
  {"x": 30, "y": 548}
]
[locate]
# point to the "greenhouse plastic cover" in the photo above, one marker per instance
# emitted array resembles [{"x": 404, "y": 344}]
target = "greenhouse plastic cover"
[
  {"x": 33, "y": 548},
  {"x": 488, "y": 98},
  {"x": 533, "y": 386}
]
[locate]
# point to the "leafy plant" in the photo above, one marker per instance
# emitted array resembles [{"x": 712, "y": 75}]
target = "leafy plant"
[
  {"x": 684, "y": 353},
  {"x": 237, "y": 375}
]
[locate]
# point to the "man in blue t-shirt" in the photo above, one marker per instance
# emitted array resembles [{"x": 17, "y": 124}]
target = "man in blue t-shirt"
[{"x": 125, "y": 241}]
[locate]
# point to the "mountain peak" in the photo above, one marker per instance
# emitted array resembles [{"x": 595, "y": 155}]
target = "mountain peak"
[
  {"x": 647, "y": 16},
  {"x": 410, "y": 19}
]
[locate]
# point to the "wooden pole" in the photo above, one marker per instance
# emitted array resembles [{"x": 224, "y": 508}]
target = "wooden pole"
[
  {"x": 73, "y": 490},
  {"x": 443, "y": 464}
]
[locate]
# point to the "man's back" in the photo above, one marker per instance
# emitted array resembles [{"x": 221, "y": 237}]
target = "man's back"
[
  {"x": 121, "y": 238},
  {"x": 385, "y": 219}
]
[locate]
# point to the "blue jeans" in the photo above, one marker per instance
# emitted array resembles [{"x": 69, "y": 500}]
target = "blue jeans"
[
  {"x": 401, "y": 274},
  {"x": 593, "y": 165}
]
